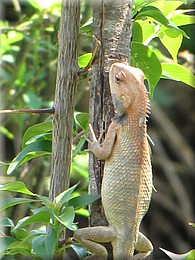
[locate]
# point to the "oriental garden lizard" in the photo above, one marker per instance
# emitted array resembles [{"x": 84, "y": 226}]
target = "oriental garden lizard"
[{"x": 127, "y": 181}]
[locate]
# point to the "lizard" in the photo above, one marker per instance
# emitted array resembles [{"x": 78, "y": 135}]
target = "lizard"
[{"x": 127, "y": 180}]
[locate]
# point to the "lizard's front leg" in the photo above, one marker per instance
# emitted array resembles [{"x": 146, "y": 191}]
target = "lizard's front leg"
[
  {"x": 91, "y": 237},
  {"x": 103, "y": 151}
]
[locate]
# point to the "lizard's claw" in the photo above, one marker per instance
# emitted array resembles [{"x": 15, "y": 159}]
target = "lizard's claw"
[{"x": 94, "y": 139}]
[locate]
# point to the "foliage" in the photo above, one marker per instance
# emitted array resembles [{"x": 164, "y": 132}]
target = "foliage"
[
  {"x": 56, "y": 216},
  {"x": 159, "y": 20}
]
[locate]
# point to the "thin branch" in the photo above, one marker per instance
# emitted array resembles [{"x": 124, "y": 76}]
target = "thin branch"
[{"x": 28, "y": 111}]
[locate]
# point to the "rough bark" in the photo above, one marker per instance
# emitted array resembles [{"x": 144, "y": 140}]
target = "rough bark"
[
  {"x": 65, "y": 96},
  {"x": 112, "y": 27}
]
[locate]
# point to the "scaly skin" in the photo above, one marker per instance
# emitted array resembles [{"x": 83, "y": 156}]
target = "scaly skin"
[{"x": 127, "y": 181}]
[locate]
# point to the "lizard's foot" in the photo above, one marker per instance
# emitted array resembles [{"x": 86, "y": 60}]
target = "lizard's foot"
[{"x": 143, "y": 246}]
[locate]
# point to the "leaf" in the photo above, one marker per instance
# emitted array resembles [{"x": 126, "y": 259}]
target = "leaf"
[
  {"x": 19, "y": 247},
  {"x": 147, "y": 31},
  {"x": 67, "y": 218},
  {"x": 137, "y": 31},
  {"x": 65, "y": 195},
  {"x": 145, "y": 59},
  {"x": 6, "y": 132},
  {"x": 172, "y": 40},
  {"x": 20, "y": 233},
  {"x": 155, "y": 13},
  {"x": 5, "y": 242},
  {"x": 82, "y": 200},
  {"x": 40, "y": 217},
  {"x": 178, "y": 73},
  {"x": 31, "y": 151},
  {"x": 36, "y": 130},
  {"x": 79, "y": 250},
  {"x": 45, "y": 200},
  {"x": 84, "y": 59},
  {"x": 192, "y": 224},
  {"x": 168, "y": 6},
  {"x": 87, "y": 27},
  {"x": 188, "y": 256},
  {"x": 44, "y": 245},
  {"x": 6, "y": 222},
  {"x": 82, "y": 120},
  {"x": 16, "y": 186},
  {"x": 79, "y": 146},
  {"x": 7, "y": 203},
  {"x": 179, "y": 18}
]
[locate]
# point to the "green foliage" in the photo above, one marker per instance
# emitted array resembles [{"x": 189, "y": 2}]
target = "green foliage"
[
  {"x": 57, "y": 216},
  {"x": 155, "y": 20},
  {"x": 37, "y": 141}
]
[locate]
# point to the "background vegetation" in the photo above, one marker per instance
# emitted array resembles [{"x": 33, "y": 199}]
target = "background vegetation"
[{"x": 28, "y": 71}]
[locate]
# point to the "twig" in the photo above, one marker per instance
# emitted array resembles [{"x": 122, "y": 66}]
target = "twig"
[
  {"x": 85, "y": 69},
  {"x": 28, "y": 111},
  {"x": 75, "y": 139}
]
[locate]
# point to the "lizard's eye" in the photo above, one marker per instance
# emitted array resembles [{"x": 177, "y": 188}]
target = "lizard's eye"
[
  {"x": 117, "y": 78},
  {"x": 120, "y": 76}
]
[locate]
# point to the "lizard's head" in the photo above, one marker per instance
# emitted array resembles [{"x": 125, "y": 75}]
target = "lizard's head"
[{"x": 126, "y": 85}]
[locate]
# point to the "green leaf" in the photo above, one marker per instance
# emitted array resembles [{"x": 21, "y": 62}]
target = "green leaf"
[
  {"x": 6, "y": 222},
  {"x": 179, "y": 18},
  {"x": 155, "y": 13},
  {"x": 84, "y": 59},
  {"x": 172, "y": 40},
  {"x": 45, "y": 200},
  {"x": 168, "y": 6},
  {"x": 67, "y": 218},
  {"x": 44, "y": 245},
  {"x": 19, "y": 247},
  {"x": 31, "y": 151},
  {"x": 147, "y": 31},
  {"x": 82, "y": 120},
  {"x": 16, "y": 186},
  {"x": 5, "y": 242},
  {"x": 178, "y": 73},
  {"x": 6, "y": 132},
  {"x": 7, "y": 203},
  {"x": 65, "y": 195},
  {"x": 40, "y": 217},
  {"x": 20, "y": 233},
  {"x": 192, "y": 224},
  {"x": 82, "y": 200},
  {"x": 36, "y": 130},
  {"x": 188, "y": 256},
  {"x": 137, "y": 31},
  {"x": 87, "y": 27},
  {"x": 145, "y": 59},
  {"x": 79, "y": 146}
]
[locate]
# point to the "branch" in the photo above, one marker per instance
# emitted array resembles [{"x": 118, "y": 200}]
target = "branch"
[{"x": 28, "y": 111}]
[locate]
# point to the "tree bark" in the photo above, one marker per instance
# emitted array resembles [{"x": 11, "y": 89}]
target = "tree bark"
[
  {"x": 112, "y": 27},
  {"x": 65, "y": 96}
]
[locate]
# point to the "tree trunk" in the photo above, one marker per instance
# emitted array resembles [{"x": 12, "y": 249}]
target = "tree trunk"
[
  {"x": 65, "y": 97},
  {"x": 112, "y": 27}
]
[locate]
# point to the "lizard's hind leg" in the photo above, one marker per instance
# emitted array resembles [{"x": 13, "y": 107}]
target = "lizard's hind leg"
[{"x": 91, "y": 237}]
